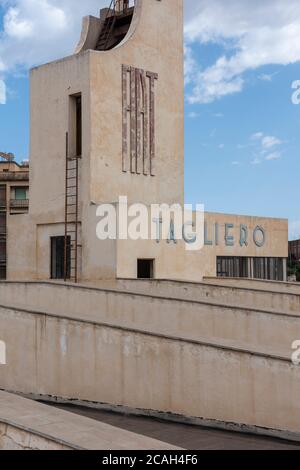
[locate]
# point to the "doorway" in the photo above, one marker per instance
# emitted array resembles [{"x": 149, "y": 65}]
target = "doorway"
[
  {"x": 145, "y": 268},
  {"x": 58, "y": 258}
]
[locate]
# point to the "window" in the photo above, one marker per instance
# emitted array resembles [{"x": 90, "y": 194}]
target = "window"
[
  {"x": 2, "y": 259},
  {"x": 232, "y": 267},
  {"x": 78, "y": 126},
  {"x": 257, "y": 268},
  {"x": 2, "y": 224},
  {"x": 3, "y": 196},
  {"x": 75, "y": 126},
  {"x": 58, "y": 258},
  {"x": 20, "y": 194},
  {"x": 145, "y": 268},
  {"x": 268, "y": 268}
]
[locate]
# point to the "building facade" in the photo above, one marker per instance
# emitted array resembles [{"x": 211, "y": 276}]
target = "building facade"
[
  {"x": 14, "y": 199},
  {"x": 108, "y": 122}
]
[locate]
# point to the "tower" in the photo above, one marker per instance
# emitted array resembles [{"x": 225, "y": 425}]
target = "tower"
[{"x": 119, "y": 99}]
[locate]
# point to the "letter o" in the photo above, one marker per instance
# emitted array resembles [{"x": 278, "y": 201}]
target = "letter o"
[{"x": 257, "y": 241}]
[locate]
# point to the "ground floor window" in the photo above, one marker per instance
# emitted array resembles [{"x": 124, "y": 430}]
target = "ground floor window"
[
  {"x": 145, "y": 268},
  {"x": 58, "y": 257},
  {"x": 232, "y": 267},
  {"x": 257, "y": 268},
  {"x": 268, "y": 268}
]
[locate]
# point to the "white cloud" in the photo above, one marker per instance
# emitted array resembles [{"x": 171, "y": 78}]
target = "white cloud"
[
  {"x": 256, "y": 161},
  {"x": 267, "y": 77},
  {"x": 2, "y": 92},
  {"x": 270, "y": 141},
  {"x": 257, "y": 136},
  {"x": 37, "y": 31},
  {"x": 267, "y": 143},
  {"x": 193, "y": 115},
  {"x": 294, "y": 230},
  {"x": 255, "y": 33},
  {"x": 273, "y": 156}
]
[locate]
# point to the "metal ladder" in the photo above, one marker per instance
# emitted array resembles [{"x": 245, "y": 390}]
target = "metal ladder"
[
  {"x": 109, "y": 23},
  {"x": 71, "y": 245}
]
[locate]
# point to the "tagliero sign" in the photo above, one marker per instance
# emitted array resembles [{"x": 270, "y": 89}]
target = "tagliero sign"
[
  {"x": 121, "y": 221},
  {"x": 258, "y": 235}
]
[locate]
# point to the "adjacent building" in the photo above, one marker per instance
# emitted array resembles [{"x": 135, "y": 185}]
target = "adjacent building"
[
  {"x": 108, "y": 121},
  {"x": 14, "y": 199}
]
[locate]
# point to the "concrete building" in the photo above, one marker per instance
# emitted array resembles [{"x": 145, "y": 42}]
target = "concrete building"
[
  {"x": 108, "y": 121},
  {"x": 217, "y": 351},
  {"x": 14, "y": 195},
  {"x": 294, "y": 260}
]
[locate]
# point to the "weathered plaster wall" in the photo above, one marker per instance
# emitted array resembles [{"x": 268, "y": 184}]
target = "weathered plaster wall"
[
  {"x": 74, "y": 359},
  {"x": 212, "y": 290},
  {"x": 206, "y": 319}
]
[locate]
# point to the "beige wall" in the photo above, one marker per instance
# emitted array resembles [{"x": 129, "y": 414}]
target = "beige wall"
[
  {"x": 175, "y": 262},
  {"x": 107, "y": 365},
  {"x": 189, "y": 317},
  {"x": 213, "y": 289}
]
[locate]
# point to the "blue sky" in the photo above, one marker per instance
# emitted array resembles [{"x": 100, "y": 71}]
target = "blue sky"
[{"x": 242, "y": 131}]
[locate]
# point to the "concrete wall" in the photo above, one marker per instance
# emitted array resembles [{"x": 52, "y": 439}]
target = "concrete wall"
[
  {"x": 175, "y": 262},
  {"x": 258, "y": 284},
  {"x": 75, "y": 359},
  {"x": 232, "y": 294},
  {"x": 249, "y": 327}
]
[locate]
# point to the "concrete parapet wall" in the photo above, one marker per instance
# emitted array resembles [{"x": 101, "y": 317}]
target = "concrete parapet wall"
[
  {"x": 75, "y": 359},
  {"x": 231, "y": 294},
  {"x": 253, "y": 327},
  {"x": 259, "y": 284}
]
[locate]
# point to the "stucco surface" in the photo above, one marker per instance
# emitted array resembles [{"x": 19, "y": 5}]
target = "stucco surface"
[
  {"x": 246, "y": 327},
  {"x": 76, "y": 359}
]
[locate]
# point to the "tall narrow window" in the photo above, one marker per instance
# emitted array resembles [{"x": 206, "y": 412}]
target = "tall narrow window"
[
  {"x": 75, "y": 126},
  {"x": 57, "y": 257},
  {"x": 78, "y": 126}
]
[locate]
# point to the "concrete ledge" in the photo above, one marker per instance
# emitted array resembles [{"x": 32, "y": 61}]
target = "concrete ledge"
[
  {"x": 26, "y": 424},
  {"x": 216, "y": 343},
  {"x": 92, "y": 362},
  {"x": 175, "y": 418},
  {"x": 245, "y": 328}
]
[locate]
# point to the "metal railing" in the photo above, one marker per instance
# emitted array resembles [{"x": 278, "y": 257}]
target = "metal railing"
[{"x": 19, "y": 203}]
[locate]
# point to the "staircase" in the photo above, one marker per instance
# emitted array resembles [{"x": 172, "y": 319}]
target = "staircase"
[{"x": 116, "y": 24}]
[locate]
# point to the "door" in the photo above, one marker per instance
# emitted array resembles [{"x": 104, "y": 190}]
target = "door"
[{"x": 58, "y": 259}]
